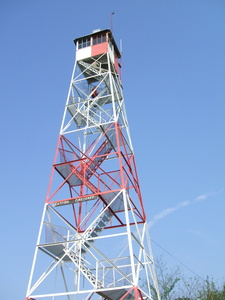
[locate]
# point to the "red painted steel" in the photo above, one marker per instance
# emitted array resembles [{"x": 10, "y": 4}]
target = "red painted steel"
[{"x": 80, "y": 173}]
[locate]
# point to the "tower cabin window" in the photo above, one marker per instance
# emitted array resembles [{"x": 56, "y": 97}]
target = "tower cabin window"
[
  {"x": 85, "y": 42},
  {"x": 98, "y": 39}
]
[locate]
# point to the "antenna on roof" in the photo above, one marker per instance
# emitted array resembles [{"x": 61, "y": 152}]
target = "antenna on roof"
[{"x": 111, "y": 25}]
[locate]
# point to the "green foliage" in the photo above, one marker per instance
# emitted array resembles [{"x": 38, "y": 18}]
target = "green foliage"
[
  {"x": 168, "y": 287},
  {"x": 211, "y": 292},
  {"x": 167, "y": 280},
  {"x": 174, "y": 286}
]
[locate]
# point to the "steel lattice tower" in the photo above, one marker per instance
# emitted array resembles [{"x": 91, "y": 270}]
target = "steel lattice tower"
[{"x": 93, "y": 239}]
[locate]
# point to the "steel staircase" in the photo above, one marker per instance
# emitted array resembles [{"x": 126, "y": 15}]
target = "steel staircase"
[
  {"x": 81, "y": 116},
  {"x": 80, "y": 264},
  {"x": 100, "y": 155},
  {"x": 96, "y": 229},
  {"x": 78, "y": 176}
]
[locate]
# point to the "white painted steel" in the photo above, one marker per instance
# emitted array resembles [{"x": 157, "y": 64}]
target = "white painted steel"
[{"x": 102, "y": 260}]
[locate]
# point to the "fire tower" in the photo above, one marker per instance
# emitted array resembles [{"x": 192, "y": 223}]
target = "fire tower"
[{"x": 93, "y": 239}]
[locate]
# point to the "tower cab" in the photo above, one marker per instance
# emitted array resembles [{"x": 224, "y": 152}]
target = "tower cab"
[{"x": 96, "y": 44}]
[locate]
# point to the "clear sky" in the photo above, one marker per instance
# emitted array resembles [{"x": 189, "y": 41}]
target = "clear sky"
[{"x": 174, "y": 88}]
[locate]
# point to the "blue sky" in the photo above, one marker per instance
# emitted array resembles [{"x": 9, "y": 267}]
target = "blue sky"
[{"x": 173, "y": 78}]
